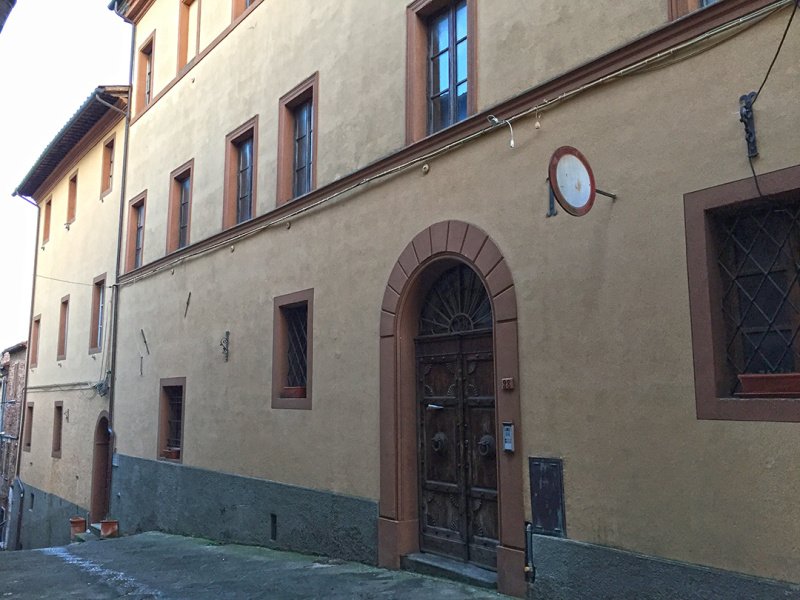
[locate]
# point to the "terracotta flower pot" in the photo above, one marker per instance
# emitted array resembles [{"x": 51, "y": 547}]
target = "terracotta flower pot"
[
  {"x": 171, "y": 453},
  {"x": 109, "y": 528},
  {"x": 76, "y": 525},
  {"x": 770, "y": 385}
]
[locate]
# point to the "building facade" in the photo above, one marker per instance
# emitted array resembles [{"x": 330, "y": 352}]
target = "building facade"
[
  {"x": 12, "y": 393},
  {"x": 394, "y": 283},
  {"x": 65, "y": 455}
]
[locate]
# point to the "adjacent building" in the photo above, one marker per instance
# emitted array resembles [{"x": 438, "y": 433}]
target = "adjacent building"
[
  {"x": 509, "y": 284},
  {"x": 12, "y": 393},
  {"x": 65, "y": 458}
]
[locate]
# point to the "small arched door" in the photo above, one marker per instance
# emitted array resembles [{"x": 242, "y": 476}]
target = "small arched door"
[
  {"x": 456, "y": 428},
  {"x": 101, "y": 474}
]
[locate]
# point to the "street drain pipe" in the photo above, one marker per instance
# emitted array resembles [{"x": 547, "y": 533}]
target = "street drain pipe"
[{"x": 530, "y": 567}]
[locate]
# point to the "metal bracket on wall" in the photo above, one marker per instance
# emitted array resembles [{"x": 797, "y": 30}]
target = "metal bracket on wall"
[
  {"x": 224, "y": 342},
  {"x": 747, "y": 118},
  {"x": 551, "y": 207}
]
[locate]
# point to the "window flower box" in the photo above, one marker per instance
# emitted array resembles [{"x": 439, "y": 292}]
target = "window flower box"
[{"x": 769, "y": 385}]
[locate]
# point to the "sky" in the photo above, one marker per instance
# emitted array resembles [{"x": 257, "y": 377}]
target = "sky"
[{"x": 53, "y": 53}]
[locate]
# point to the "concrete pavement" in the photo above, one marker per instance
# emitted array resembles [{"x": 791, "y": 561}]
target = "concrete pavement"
[{"x": 157, "y": 565}]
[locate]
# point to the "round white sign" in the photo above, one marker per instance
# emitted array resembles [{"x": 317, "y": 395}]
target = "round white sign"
[{"x": 572, "y": 181}]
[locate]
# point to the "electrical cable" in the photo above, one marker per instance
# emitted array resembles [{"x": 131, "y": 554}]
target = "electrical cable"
[
  {"x": 65, "y": 280},
  {"x": 778, "y": 51}
]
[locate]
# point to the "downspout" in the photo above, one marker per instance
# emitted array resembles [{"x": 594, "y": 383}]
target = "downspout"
[
  {"x": 116, "y": 289},
  {"x": 21, "y": 422}
]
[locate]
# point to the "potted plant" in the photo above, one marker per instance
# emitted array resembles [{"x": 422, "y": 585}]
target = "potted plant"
[
  {"x": 109, "y": 528},
  {"x": 76, "y": 525}
]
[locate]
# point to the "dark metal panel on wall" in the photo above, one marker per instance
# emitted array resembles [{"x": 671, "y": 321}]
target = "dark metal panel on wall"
[{"x": 547, "y": 496}]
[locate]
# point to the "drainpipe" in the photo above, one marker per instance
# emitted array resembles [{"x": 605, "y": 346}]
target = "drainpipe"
[
  {"x": 21, "y": 422},
  {"x": 115, "y": 288}
]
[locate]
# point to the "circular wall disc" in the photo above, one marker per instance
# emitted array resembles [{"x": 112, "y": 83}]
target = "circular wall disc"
[{"x": 572, "y": 181}]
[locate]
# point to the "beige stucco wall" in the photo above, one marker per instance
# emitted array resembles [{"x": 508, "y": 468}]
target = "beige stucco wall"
[
  {"x": 606, "y": 378},
  {"x": 74, "y": 258}
]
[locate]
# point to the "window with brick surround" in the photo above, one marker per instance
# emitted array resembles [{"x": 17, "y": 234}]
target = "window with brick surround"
[
  {"x": 144, "y": 73},
  {"x": 72, "y": 198},
  {"x": 63, "y": 328},
  {"x": 239, "y": 7},
  {"x": 108, "y": 167},
  {"x": 135, "y": 244},
  {"x": 440, "y": 63},
  {"x": 188, "y": 31},
  {"x": 180, "y": 206},
  {"x": 27, "y": 432},
  {"x": 96, "y": 328},
  {"x": 743, "y": 253},
  {"x": 171, "y": 409},
  {"x": 292, "y": 350},
  {"x": 679, "y": 8},
  {"x": 48, "y": 213},
  {"x": 34, "y": 349},
  {"x": 58, "y": 422},
  {"x": 297, "y": 140},
  {"x": 241, "y": 166}
]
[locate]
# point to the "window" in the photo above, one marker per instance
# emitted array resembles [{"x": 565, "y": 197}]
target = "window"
[
  {"x": 58, "y": 422},
  {"x": 98, "y": 314},
  {"x": 63, "y": 325},
  {"x": 441, "y": 65},
  {"x": 170, "y": 431},
  {"x": 180, "y": 206},
  {"x": 744, "y": 293},
  {"x": 28, "y": 429},
  {"x": 144, "y": 79},
  {"x": 72, "y": 198},
  {"x": 240, "y": 6},
  {"x": 240, "y": 174},
  {"x": 136, "y": 215},
  {"x": 188, "y": 31},
  {"x": 48, "y": 211},
  {"x": 292, "y": 349},
  {"x": 297, "y": 126},
  {"x": 34, "y": 350},
  {"x": 678, "y": 8},
  {"x": 108, "y": 167}
]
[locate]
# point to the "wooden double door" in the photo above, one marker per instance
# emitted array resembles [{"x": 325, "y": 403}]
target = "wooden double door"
[{"x": 457, "y": 447}]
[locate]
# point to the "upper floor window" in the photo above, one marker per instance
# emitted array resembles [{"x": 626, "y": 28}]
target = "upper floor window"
[
  {"x": 144, "y": 78},
  {"x": 239, "y": 6},
  {"x": 34, "y": 350},
  {"x": 72, "y": 198},
  {"x": 98, "y": 313},
  {"x": 743, "y": 254},
  {"x": 441, "y": 59},
  {"x": 63, "y": 328},
  {"x": 678, "y": 8},
  {"x": 180, "y": 204},
  {"x": 297, "y": 124},
  {"x": 188, "y": 31},
  {"x": 48, "y": 211},
  {"x": 135, "y": 247},
  {"x": 240, "y": 174},
  {"x": 108, "y": 166}
]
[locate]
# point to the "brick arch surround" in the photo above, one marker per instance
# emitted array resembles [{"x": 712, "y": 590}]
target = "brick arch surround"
[{"x": 442, "y": 244}]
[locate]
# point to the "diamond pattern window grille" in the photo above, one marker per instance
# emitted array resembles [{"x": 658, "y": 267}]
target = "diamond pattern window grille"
[
  {"x": 297, "y": 331},
  {"x": 174, "y": 414},
  {"x": 759, "y": 260}
]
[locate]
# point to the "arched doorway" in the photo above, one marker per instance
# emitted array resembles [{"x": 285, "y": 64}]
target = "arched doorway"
[
  {"x": 426, "y": 259},
  {"x": 101, "y": 474},
  {"x": 456, "y": 420}
]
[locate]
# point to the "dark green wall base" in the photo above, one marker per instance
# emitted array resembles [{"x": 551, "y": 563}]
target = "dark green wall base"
[
  {"x": 568, "y": 570},
  {"x": 156, "y": 495},
  {"x": 46, "y": 523}
]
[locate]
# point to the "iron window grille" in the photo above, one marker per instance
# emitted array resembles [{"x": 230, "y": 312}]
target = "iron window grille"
[
  {"x": 244, "y": 181},
  {"x": 139, "y": 244},
  {"x": 759, "y": 264},
  {"x": 447, "y": 67},
  {"x": 296, "y": 318},
  {"x": 174, "y": 394}
]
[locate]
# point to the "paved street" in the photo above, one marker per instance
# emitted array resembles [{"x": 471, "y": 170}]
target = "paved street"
[{"x": 155, "y": 565}]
